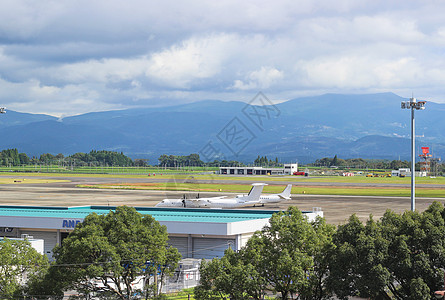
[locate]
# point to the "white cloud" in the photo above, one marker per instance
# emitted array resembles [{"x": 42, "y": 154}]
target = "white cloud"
[
  {"x": 64, "y": 56},
  {"x": 196, "y": 58},
  {"x": 260, "y": 79},
  {"x": 103, "y": 71}
]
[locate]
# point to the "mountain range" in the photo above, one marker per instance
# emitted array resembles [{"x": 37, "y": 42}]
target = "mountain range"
[{"x": 302, "y": 129}]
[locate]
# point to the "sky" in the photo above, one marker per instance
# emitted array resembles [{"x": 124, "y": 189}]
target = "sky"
[{"x": 71, "y": 57}]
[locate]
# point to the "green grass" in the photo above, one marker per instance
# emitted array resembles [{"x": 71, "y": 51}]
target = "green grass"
[
  {"x": 104, "y": 170},
  {"x": 386, "y": 192},
  {"x": 28, "y": 181},
  {"x": 180, "y": 174},
  {"x": 182, "y": 295},
  {"x": 332, "y": 179}
]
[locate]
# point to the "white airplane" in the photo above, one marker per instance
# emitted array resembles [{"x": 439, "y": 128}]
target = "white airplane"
[
  {"x": 218, "y": 202},
  {"x": 275, "y": 198}
]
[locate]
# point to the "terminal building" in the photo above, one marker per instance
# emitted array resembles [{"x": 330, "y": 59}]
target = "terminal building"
[
  {"x": 287, "y": 169},
  {"x": 197, "y": 233}
]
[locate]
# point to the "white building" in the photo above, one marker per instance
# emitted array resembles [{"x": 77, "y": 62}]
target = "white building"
[
  {"x": 402, "y": 172},
  {"x": 287, "y": 169},
  {"x": 197, "y": 233}
]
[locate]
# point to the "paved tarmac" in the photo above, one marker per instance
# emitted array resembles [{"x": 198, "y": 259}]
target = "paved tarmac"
[{"x": 337, "y": 209}]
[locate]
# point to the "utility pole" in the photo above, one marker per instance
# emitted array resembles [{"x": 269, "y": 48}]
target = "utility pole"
[{"x": 413, "y": 105}]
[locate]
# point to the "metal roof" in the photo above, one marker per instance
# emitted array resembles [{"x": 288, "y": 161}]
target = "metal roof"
[{"x": 160, "y": 214}]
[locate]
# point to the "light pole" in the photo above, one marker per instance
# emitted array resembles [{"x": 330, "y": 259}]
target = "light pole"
[{"x": 413, "y": 105}]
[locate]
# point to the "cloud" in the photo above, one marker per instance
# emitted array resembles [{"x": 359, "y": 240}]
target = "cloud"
[
  {"x": 260, "y": 79},
  {"x": 67, "y": 57},
  {"x": 196, "y": 58}
]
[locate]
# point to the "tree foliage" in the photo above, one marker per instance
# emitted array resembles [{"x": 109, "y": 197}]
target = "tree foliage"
[
  {"x": 225, "y": 163},
  {"x": 172, "y": 161},
  {"x": 263, "y": 161},
  {"x": 103, "y": 157},
  {"x": 361, "y": 163},
  {"x": 18, "y": 261},
  {"x": 11, "y": 157},
  {"x": 230, "y": 277},
  {"x": 286, "y": 257},
  {"x": 402, "y": 256},
  {"x": 106, "y": 254}
]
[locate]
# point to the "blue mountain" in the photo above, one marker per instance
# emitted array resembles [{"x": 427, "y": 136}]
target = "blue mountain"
[{"x": 304, "y": 129}]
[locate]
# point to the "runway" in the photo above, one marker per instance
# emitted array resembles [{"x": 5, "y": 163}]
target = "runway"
[{"x": 337, "y": 209}]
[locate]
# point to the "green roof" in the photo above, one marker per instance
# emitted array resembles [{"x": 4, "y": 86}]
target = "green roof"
[{"x": 160, "y": 214}]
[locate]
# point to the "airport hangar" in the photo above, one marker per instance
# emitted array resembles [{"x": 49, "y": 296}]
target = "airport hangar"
[
  {"x": 287, "y": 169},
  {"x": 197, "y": 233}
]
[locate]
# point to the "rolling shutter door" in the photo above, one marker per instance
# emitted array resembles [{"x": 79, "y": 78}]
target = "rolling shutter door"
[
  {"x": 180, "y": 243},
  {"x": 210, "y": 248},
  {"x": 50, "y": 239}
]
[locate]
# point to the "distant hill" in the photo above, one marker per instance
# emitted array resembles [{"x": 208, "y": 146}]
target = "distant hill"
[
  {"x": 13, "y": 118},
  {"x": 303, "y": 129}
]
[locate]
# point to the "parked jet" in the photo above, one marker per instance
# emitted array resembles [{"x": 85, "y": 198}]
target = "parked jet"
[
  {"x": 218, "y": 202},
  {"x": 275, "y": 198}
]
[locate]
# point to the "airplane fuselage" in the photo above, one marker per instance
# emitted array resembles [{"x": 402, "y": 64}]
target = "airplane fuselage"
[{"x": 218, "y": 202}]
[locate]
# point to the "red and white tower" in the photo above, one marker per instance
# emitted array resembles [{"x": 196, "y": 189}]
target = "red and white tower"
[{"x": 425, "y": 161}]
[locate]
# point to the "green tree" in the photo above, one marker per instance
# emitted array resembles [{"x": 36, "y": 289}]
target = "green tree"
[
  {"x": 400, "y": 257},
  {"x": 326, "y": 161},
  {"x": 47, "y": 158},
  {"x": 357, "y": 264},
  {"x": 18, "y": 261},
  {"x": 229, "y": 276},
  {"x": 139, "y": 162},
  {"x": 24, "y": 159},
  {"x": 292, "y": 251},
  {"x": 10, "y": 157},
  {"x": 106, "y": 254},
  {"x": 288, "y": 256}
]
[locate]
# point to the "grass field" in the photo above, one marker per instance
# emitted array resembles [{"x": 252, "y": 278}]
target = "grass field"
[
  {"x": 172, "y": 175},
  {"x": 196, "y": 173},
  {"x": 104, "y": 170},
  {"x": 310, "y": 190},
  {"x": 28, "y": 180},
  {"x": 182, "y": 295}
]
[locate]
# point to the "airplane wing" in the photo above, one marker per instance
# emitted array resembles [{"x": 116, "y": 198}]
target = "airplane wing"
[
  {"x": 284, "y": 198},
  {"x": 205, "y": 199}
]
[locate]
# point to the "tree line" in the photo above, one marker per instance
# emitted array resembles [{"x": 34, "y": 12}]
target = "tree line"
[
  {"x": 400, "y": 256},
  {"x": 11, "y": 157},
  {"x": 263, "y": 161},
  {"x": 361, "y": 163},
  {"x": 193, "y": 160}
]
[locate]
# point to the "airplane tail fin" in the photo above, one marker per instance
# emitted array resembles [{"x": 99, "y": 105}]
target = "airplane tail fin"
[
  {"x": 285, "y": 194},
  {"x": 255, "y": 192}
]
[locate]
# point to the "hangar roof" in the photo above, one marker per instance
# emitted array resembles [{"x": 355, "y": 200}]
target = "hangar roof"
[{"x": 160, "y": 214}]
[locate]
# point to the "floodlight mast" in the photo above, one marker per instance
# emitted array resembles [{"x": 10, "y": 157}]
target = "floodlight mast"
[{"x": 418, "y": 105}]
